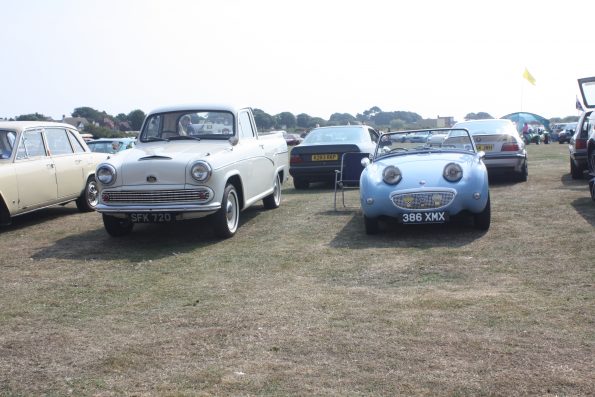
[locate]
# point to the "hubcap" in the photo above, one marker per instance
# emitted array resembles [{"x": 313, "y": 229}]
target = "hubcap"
[
  {"x": 92, "y": 194},
  {"x": 231, "y": 209}
]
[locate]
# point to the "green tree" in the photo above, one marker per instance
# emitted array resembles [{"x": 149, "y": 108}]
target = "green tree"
[
  {"x": 33, "y": 117},
  {"x": 136, "y": 118},
  {"x": 89, "y": 113},
  {"x": 342, "y": 119},
  {"x": 285, "y": 119},
  {"x": 478, "y": 116},
  {"x": 264, "y": 121},
  {"x": 303, "y": 120}
]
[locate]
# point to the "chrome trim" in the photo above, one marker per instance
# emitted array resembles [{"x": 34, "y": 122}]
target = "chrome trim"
[
  {"x": 157, "y": 196},
  {"x": 423, "y": 200}
]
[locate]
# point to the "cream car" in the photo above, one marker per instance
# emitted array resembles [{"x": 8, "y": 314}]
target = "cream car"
[
  {"x": 43, "y": 164},
  {"x": 191, "y": 162}
]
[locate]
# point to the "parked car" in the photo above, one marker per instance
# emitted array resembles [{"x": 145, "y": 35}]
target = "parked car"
[
  {"x": 504, "y": 149},
  {"x": 577, "y": 147},
  {"x": 587, "y": 88},
  {"x": 417, "y": 184},
  {"x": 292, "y": 139},
  {"x": 111, "y": 145},
  {"x": 566, "y": 133},
  {"x": 191, "y": 162},
  {"x": 318, "y": 157},
  {"x": 44, "y": 164}
]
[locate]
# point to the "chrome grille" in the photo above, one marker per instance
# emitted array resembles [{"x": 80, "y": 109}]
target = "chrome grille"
[
  {"x": 156, "y": 196},
  {"x": 422, "y": 200}
]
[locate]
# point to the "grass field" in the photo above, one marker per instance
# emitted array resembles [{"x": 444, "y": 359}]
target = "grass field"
[{"x": 302, "y": 302}]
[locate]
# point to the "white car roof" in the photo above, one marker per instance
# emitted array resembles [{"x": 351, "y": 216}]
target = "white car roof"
[
  {"x": 23, "y": 125},
  {"x": 205, "y": 106}
]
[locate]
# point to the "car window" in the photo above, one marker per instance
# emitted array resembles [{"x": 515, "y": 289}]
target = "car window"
[
  {"x": 6, "y": 143},
  {"x": 76, "y": 144},
  {"x": 31, "y": 145},
  {"x": 246, "y": 130},
  {"x": 58, "y": 141}
]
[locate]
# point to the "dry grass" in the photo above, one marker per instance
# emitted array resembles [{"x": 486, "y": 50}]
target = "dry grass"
[{"x": 302, "y": 302}]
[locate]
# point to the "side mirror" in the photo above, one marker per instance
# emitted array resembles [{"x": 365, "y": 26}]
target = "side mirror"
[
  {"x": 365, "y": 162},
  {"x": 481, "y": 154},
  {"x": 234, "y": 140}
]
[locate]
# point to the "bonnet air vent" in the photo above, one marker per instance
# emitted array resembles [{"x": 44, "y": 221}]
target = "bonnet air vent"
[{"x": 154, "y": 157}]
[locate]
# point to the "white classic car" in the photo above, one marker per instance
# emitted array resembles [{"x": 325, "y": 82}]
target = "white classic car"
[
  {"x": 191, "y": 162},
  {"x": 42, "y": 164}
]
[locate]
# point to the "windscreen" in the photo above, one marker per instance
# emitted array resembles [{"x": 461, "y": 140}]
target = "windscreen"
[
  {"x": 188, "y": 124},
  {"x": 424, "y": 141}
]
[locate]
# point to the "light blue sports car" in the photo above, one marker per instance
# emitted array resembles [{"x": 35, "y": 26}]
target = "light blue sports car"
[{"x": 418, "y": 183}]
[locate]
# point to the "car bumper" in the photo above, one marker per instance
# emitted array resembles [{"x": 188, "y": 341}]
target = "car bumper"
[
  {"x": 315, "y": 173},
  {"x": 181, "y": 211},
  {"x": 505, "y": 161},
  {"x": 381, "y": 203}
]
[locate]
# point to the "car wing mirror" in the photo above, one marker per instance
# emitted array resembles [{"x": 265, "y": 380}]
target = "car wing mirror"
[
  {"x": 365, "y": 161},
  {"x": 234, "y": 140},
  {"x": 481, "y": 154}
]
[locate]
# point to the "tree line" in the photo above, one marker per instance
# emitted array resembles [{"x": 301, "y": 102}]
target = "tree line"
[{"x": 102, "y": 124}]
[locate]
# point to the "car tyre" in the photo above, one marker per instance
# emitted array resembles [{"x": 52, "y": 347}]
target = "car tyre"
[
  {"x": 523, "y": 175},
  {"x": 225, "y": 220},
  {"x": 117, "y": 227},
  {"x": 482, "y": 220},
  {"x": 300, "y": 183},
  {"x": 592, "y": 188},
  {"x": 591, "y": 162},
  {"x": 371, "y": 225},
  {"x": 273, "y": 200},
  {"x": 89, "y": 198},
  {"x": 575, "y": 171}
]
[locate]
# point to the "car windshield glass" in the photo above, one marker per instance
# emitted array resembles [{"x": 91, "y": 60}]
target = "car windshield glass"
[
  {"x": 328, "y": 135},
  {"x": 195, "y": 123},
  {"x": 424, "y": 141},
  {"x": 6, "y": 143}
]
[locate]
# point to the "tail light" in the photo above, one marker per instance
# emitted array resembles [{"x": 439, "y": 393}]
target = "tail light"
[
  {"x": 580, "y": 143},
  {"x": 510, "y": 147},
  {"x": 294, "y": 159}
]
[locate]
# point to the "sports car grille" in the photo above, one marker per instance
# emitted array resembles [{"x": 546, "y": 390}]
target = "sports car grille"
[
  {"x": 422, "y": 200},
  {"x": 156, "y": 196}
]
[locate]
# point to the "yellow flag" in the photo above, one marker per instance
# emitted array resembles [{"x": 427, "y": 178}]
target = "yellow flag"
[{"x": 529, "y": 77}]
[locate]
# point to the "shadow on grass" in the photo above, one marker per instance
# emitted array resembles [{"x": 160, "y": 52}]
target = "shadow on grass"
[
  {"x": 585, "y": 206},
  {"x": 38, "y": 218},
  {"x": 457, "y": 233},
  {"x": 147, "y": 241},
  {"x": 568, "y": 181}
]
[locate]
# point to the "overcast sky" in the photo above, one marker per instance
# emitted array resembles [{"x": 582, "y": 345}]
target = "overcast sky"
[{"x": 446, "y": 58}]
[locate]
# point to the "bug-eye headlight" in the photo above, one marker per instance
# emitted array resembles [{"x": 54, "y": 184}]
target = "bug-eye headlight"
[
  {"x": 453, "y": 172},
  {"x": 200, "y": 171},
  {"x": 391, "y": 175},
  {"x": 106, "y": 174}
]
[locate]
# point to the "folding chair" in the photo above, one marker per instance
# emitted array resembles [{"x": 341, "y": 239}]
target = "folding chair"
[{"x": 348, "y": 176}]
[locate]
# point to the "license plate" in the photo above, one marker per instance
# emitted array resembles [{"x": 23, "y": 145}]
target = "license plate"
[
  {"x": 424, "y": 217},
  {"x": 325, "y": 157},
  {"x": 152, "y": 217},
  {"x": 485, "y": 148}
]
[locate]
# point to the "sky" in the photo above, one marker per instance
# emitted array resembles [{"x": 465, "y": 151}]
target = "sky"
[{"x": 319, "y": 57}]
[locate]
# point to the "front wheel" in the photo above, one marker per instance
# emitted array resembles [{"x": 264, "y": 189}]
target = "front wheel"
[
  {"x": 483, "y": 219},
  {"x": 117, "y": 227},
  {"x": 89, "y": 198},
  {"x": 225, "y": 220},
  {"x": 592, "y": 188},
  {"x": 575, "y": 172},
  {"x": 273, "y": 200},
  {"x": 591, "y": 162}
]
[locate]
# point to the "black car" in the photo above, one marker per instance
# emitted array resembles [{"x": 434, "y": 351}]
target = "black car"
[
  {"x": 566, "y": 133},
  {"x": 587, "y": 87},
  {"x": 318, "y": 157}
]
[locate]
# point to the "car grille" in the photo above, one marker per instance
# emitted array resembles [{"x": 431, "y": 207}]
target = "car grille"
[
  {"x": 422, "y": 200},
  {"x": 157, "y": 196}
]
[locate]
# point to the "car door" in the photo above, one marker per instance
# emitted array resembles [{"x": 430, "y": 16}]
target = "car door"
[
  {"x": 258, "y": 170},
  {"x": 69, "y": 166},
  {"x": 35, "y": 172}
]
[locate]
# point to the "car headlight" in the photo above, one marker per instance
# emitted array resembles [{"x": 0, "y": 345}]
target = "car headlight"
[
  {"x": 453, "y": 172},
  {"x": 200, "y": 171},
  {"x": 106, "y": 174},
  {"x": 391, "y": 175}
]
